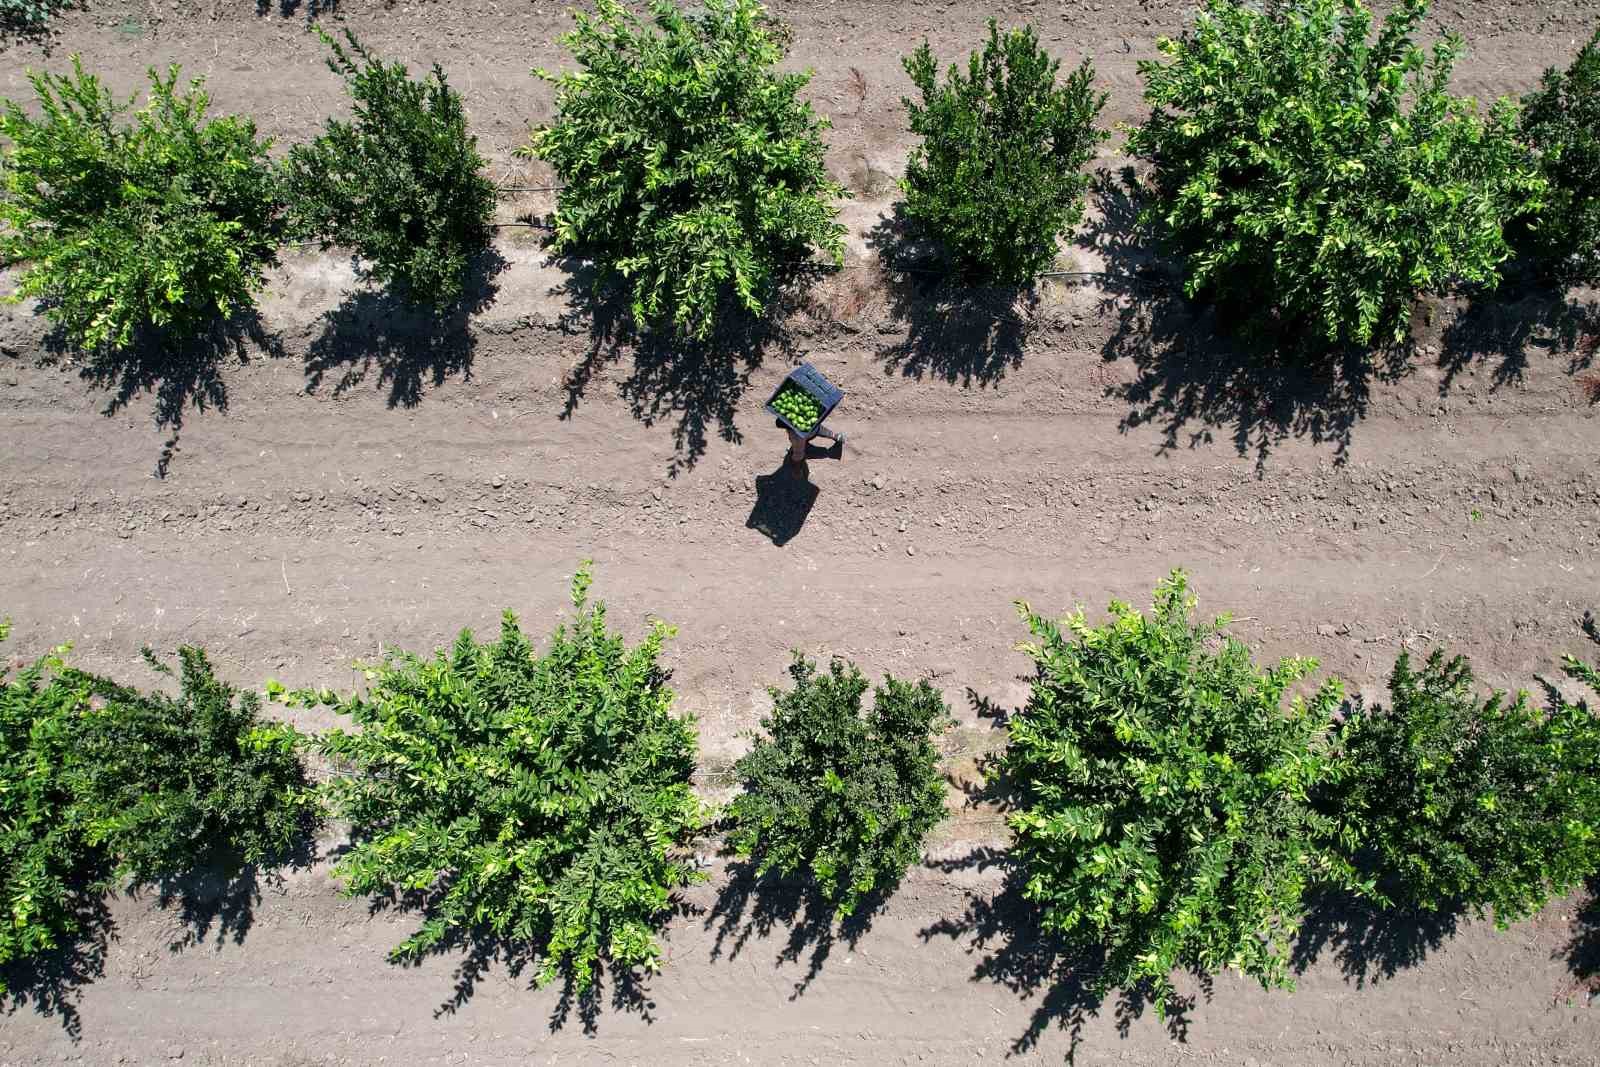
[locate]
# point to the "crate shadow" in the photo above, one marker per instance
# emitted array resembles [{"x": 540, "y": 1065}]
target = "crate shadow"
[{"x": 784, "y": 499}]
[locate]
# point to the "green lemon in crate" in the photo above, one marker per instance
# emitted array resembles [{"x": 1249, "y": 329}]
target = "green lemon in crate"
[{"x": 798, "y": 406}]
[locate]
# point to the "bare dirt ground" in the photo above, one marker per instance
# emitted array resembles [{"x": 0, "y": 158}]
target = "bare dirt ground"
[{"x": 367, "y": 479}]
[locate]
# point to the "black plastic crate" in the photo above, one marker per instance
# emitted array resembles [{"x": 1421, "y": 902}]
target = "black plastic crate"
[{"x": 819, "y": 388}]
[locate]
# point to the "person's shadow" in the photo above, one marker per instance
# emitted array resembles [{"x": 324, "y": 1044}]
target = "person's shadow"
[{"x": 784, "y": 498}]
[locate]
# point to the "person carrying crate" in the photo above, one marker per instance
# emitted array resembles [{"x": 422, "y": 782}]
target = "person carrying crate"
[
  {"x": 797, "y": 442},
  {"x": 800, "y": 404}
]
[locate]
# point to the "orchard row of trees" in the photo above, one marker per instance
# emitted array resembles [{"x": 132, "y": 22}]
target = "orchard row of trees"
[
  {"x": 1172, "y": 803},
  {"x": 154, "y": 228},
  {"x": 1316, "y": 177}
]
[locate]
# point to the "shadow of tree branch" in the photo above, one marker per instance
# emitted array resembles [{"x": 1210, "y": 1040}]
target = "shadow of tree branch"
[
  {"x": 180, "y": 372},
  {"x": 961, "y": 333},
  {"x": 481, "y": 951},
  {"x": 410, "y": 346},
  {"x": 1369, "y": 943},
  {"x": 696, "y": 384},
  {"x": 752, "y": 905},
  {"x": 287, "y": 8},
  {"x": 1504, "y": 324},
  {"x": 17, "y": 25},
  {"x": 215, "y": 902},
  {"x": 1582, "y": 953},
  {"x": 49, "y": 983},
  {"x": 1014, "y": 950}
]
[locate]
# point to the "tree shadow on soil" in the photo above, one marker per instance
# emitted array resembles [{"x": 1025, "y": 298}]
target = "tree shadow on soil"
[
  {"x": 481, "y": 951},
  {"x": 1369, "y": 943},
  {"x": 696, "y": 384},
  {"x": 18, "y": 31},
  {"x": 1503, "y": 324},
  {"x": 17, "y": 28},
  {"x": 752, "y": 905},
  {"x": 49, "y": 982},
  {"x": 1013, "y": 950},
  {"x": 961, "y": 333},
  {"x": 214, "y": 904},
  {"x": 181, "y": 373},
  {"x": 1005, "y": 933},
  {"x": 1195, "y": 374},
  {"x": 986, "y": 786},
  {"x": 411, "y": 346},
  {"x": 1582, "y": 953}
]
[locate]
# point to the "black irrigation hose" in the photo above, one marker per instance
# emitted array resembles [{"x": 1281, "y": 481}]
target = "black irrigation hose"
[{"x": 933, "y": 272}]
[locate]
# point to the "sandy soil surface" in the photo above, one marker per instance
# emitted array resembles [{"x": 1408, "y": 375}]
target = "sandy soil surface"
[{"x": 368, "y": 479}]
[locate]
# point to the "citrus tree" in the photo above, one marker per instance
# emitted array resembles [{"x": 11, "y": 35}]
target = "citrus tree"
[
  {"x": 1561, "y": 122},
  {"x": 102, "y": 784},
  {"x": 1320, "y": 180},
  {"x": 172, "y": 784},
  {"x": 541, "y": 800},
  {"x": 998, "y": 175},
  {"x": 44, "y": 860},
  {"x": 401, "y": 183},
  {"x": 1160, "y": 784},
  {"x": 163, "y": 224},
  {"x": 1469, "y": 802},
  {"x": 692, "y": 171},
  {"x": 847, "y": 796}
]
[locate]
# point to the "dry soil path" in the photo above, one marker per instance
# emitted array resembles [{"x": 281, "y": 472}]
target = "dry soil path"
[{"x": 377, "y": 484}]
